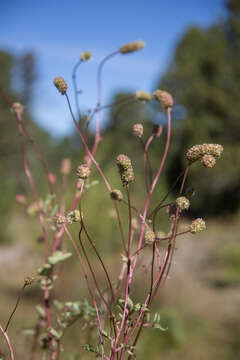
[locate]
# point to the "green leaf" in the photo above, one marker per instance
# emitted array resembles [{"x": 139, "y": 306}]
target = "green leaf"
[{"x": 58, "y": 256}]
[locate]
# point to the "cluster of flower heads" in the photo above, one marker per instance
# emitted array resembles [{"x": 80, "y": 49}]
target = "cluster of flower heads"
[
  {"x": 72, "y": 216},
  {"x": 207, "y": 153}
]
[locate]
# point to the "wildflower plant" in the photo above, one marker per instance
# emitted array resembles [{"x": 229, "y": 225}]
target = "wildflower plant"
[{"x": 117, "y": 319}]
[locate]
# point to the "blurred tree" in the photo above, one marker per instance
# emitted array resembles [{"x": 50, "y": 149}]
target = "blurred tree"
[{"x": 204, "y": 78}]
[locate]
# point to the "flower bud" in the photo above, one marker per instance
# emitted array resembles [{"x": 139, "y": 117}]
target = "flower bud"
[
  {"x": 17, "y": 108},
  {"x": 66, "y": 166},
  {"x": 197, "y": 226},
  {"x": 149, "y": 237},
  {"x": 60, "y": 84},
  {"x": 52, "y": 178},
  {"x": 183, "y": 203},
  {"x": 83, "y": 171},
  {"x": 143, "y": 96},
  {"x": 21, "y": 199},
  {"x": 164, "y": 98},
  {"x": 85, "y": 56},
  {"x": 131, "y": 47},
  {"x": 116, "y": 195},
  {"x": 138, "y": 130},
  {"x": 125, "y": 169}
]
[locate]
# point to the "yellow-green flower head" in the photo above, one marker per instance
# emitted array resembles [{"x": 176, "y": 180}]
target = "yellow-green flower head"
[
  {"x": 74, "y": 216},
  {"x": 125, "y": 169},
  {"x": 138, "y": 130},
  {"x": 85, "y": 56},
  {"x": 131, "y": 47},
  {"x": 197, "y": 226},
  {"x": 183, "y": 203},
  {"x": 143, "y": 96},
  {"x": 149, "y": 237},
  {"x": 164, "y": 97},
  {"x": 60, "y": 84},
  {"x": 116, "y": 195}
]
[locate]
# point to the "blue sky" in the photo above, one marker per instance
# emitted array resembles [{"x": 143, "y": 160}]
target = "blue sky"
[{"x": 59, "y": 31}]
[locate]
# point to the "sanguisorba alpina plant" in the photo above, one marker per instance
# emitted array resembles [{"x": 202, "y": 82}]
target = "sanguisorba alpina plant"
[{"x": 118, "y": 320}]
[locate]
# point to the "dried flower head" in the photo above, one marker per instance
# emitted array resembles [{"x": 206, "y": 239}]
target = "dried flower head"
[
  {"x": 164, "y": 98},
  {"x": 183, "y": 203},
  {"x": 131, "y": 47},
  {"x": 60, "y": 84},
  {"x": 85, "y": 56},
  {"x": 28, "y": 280},
  {"x": 60, "y": 219},
  {"x": 83, "y": 171},
  {"x": 138, "y": 130},
  {"x": 197, "y": 226},
  {"x": 125, "y": 169},
  {"x": 21, "y": 199},
  {"x": 196, "y": 152},
  {"x": 149, "y": 237},
  {"x": 208, "y": 161},
  {"x": 157, "y": 130},
  {"x": 17, "y": 108},
  {"x": 143, "y": 96},
  {"x": 116, "y": 195},
  {"x": 66, "y": 166}
]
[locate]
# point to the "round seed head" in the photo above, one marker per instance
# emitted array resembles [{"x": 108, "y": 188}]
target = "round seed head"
[
  {"x": 149, "y": 237},
  {"x": 85, "y": 56},
  {"x": 116, "y": 195},
  {"x": 183, "y": 203},
  {"x": 74, "y": 216},
  {"x": 131, "y": 47},
  {"x": 138, "y": 130},
  {"x": 83, "y": 171},
  {"x": 60, "y": 219},
  {"x": 197, "y": 226},
  {"x": 164, "y": 98},
  {"x": 60, "y": 84}
]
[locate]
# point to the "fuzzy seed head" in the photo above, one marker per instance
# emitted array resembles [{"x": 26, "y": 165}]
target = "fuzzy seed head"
[
  {"x": 131, "y": 47},
  {"x": 60, "y": 219},
  {"x": 116, "y": 195},
  {"x": 164, "y": 98},
  {"x": 83, "y": 171},
  {"x": 208, "y": 161},
  {"x": 17, "y": 108},
  {"x": 143, "y": 96},
  {"x": 60, "y": 84},
  {"x": 138, "y": 130},
  {"x": 125, "y": 169},
  {"x": 183, "y": 203},
  {"x": 149, "y": 237},
  {"x": 66, "y": 166},
  {"x": 85, "y": 56},
  {"x": 197, "y": 226}
]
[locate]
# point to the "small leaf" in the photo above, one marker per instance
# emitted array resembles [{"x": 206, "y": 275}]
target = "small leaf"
[{"x": 58, "y": 256}]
